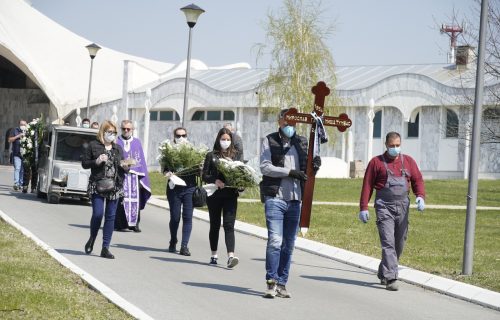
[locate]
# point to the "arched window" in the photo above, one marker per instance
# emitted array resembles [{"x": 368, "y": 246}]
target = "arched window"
[
  {"x": 213, "y": 115},
  {"x": 377, "y": 124},
  {"x": 413, "y": 127},
  {"x": 451, "y": 124},
  {"x": 164, "y": 116}
]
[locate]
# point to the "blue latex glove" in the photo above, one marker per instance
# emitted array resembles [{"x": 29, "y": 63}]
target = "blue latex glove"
[
  {"x": 420, "y": 203},
  {"x": 364, "y": 216}
]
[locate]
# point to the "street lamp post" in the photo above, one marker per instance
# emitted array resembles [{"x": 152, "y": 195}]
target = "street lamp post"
[
  {"x": 93, "y": 48},
  {"x": 192, "y": 13}
]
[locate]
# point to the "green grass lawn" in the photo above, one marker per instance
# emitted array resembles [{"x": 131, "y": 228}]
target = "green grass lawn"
[
  {"x": 451, "y": 192},
  {"x": 35, "y": 286}
]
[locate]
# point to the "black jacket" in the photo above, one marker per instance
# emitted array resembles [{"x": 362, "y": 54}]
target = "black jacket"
[
  {"x": 210, "y": 174},
  {"x": 92, "y": 152}
]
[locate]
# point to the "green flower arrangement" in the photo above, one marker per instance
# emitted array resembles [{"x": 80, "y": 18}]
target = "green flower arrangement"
[
  {"x": 181, "y": 158},
  {"x": 33, "y": 136},
  {"x": 237, "y": 174}
]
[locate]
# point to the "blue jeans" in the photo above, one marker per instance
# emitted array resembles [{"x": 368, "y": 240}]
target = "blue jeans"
[
  {"x": 109, "y": 218},
  {"x": 178, "y": 197},
  {"x": 18, "y": 171},
  {"x": 282, "y": 220}
]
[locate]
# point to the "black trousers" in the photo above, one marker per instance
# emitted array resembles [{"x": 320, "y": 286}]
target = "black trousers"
[
  {"x": 30, "y": 173},
  {"x": 225, "y": 206}
]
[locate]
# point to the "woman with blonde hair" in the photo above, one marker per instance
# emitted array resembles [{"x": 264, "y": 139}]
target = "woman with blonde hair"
[{"x": 103, "y": 157}]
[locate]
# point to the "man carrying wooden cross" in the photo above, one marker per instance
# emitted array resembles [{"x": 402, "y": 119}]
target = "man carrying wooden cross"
[{"x": 283, "y": 161}]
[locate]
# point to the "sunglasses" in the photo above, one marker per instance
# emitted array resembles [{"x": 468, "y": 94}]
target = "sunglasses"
[
  {"x": 127, "y": 129},
  {"x": 181, "y": 135}
]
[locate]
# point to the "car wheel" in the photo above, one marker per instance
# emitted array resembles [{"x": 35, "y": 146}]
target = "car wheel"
[{"x": 53, "y": 198}]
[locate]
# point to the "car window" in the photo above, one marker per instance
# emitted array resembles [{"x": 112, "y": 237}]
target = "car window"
[{"x": 71, "y": 145}]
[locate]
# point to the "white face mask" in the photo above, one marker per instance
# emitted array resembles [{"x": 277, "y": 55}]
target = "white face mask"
[
  {"x": 181, "y": 140},
  {"x": 23, "y": 128},
  {"x": 224, "y": 144},
  {"x": 109, "y": 137},
  {"x": 86, "y": 125}
]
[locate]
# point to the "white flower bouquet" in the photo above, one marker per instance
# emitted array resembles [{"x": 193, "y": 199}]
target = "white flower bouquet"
[
  {"x": 33, "y": 136},
  {"x": 181, "y": 158},
  {"x": 237, "y": 174}
]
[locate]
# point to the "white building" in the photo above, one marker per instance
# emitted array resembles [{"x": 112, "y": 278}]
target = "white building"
[{"x": 48, "y": 66}]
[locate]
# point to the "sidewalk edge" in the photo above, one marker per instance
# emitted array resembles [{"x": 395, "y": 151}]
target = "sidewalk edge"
[
  {"x": 453, "y": 288},
  {"x": 95, "y": 284}
]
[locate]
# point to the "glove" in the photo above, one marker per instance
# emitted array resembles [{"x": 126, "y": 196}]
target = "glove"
[
  {"x": 316, "y": 163},
  {"x": 364, "y": 216},
  {"x": 297, "y": 174},
  {"x": 420, "y": 203}
]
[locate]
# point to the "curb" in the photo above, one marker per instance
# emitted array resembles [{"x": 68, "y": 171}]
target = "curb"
[
  {"x": 453, "y": 288},
  {"x": 95, "y": 284}
]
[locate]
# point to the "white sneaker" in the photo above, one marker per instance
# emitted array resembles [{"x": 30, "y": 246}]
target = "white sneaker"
[
  {"x": 271, "y": 289},
  {"x": 232, "y": 262}
]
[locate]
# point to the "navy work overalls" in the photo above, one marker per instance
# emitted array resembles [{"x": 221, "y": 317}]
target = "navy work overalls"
[{"x": 391, "y": 206}]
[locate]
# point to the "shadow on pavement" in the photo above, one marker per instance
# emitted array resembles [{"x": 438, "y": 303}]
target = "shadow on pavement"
[
  {"x": 374, "y": 285},
  {"x": 83, "y": 226},
  {"x": 72, "y": 252},
  {"x": 183, "y": 261},
  {"x": 138, "y": 248},
  {"x": 223, "y": 287},
  {"x": 319, "y": 267}
]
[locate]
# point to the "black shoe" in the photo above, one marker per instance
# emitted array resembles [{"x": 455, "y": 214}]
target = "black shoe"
[
  {"x": 136, "y": 229},
  {"x": 213, "y": 260},
  {"x": 25, "y": 189},
  {"x": 184, "y": 251},
  {"x": 171, "y": 247},
  {"x": 106, "y": 254},
  {"x": 89, "y": 246}
]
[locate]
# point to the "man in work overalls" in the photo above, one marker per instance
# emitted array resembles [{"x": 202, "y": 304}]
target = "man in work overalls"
[{"x": 390, "y": 174}]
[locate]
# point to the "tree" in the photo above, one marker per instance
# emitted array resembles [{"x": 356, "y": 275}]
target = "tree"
[
  {"x": 490, "y": 127},
  {"x": 296, "y": 40}
]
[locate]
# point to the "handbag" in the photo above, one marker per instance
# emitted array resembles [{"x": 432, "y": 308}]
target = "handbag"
[
  {"x": 105, "y": 185},
  {"x": 199, "y": 195}
]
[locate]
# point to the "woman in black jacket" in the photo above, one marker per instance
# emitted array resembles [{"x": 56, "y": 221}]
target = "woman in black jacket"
[
  {"x": 103, "y": 156},
  {"x": 223, "y": 200}
]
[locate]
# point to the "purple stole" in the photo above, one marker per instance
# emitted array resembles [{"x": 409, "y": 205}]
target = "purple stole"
[{"x": 136, "y": 186}]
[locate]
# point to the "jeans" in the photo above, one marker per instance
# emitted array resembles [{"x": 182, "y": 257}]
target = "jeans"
[
  {"x": 228, "y": 207},
  {"x": 178, "y": 197},
  {"x": 18, "y": 171},
  {"x": 282, "y": 220},
  {"x": 109, "y": 218}
]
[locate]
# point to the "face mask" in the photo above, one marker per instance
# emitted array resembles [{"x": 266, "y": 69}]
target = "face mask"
[
  {"x": 86, "y": 125},
  {"x": 109, "y": 137},
  {"x": 224, "y": 144},
  {"x": 181, "y": 140},
  {"x": 394, "y": 151},
  {"x": 288, "y": 131},
  {"x": 23, "y": 128}
]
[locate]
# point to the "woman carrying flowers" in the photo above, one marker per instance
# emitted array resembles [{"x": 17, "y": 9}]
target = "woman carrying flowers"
[
  {"x": 224, "y": 199},
  {"x": 175, "y": 161}
]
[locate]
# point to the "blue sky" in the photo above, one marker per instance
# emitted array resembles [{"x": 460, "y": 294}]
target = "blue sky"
[{"x": 368, "y": 32}]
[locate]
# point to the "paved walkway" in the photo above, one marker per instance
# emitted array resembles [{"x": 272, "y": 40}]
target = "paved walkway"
[{"x": 150, "y": 283}]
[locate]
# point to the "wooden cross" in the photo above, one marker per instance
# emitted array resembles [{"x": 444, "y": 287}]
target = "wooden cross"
[{"x": 342, "y": 122}]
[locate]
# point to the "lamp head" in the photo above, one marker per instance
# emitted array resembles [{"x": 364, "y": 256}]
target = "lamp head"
[
  {"x": 93, "y": 48},
  {"x": 192, "y": 13}
]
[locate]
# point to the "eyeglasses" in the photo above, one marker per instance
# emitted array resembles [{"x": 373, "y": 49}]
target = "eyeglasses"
[
  {"x": 181, "y": 136},
  {"x": 111, "y": 132},
  {"x": 127, "y": 129}
]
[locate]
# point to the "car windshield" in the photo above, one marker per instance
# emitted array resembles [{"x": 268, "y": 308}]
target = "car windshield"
[{"x": 71, "y": 145}]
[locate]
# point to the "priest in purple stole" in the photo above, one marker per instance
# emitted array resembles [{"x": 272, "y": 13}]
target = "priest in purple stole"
[{"x": 136, "y": 186}]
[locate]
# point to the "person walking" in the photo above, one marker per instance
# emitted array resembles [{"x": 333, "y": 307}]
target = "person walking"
[
  {"x": 17, "y": 159},
  {"x": 224, "y": 200},
  {"x": 136, "y": 185},
  {"x": 103, "y": 157},
  {"x": 391, "y": 174},
  {"x": 180, "y": 201},
  {"x": 283, "y": 161},
  {"x": 237, "y": 141}
]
